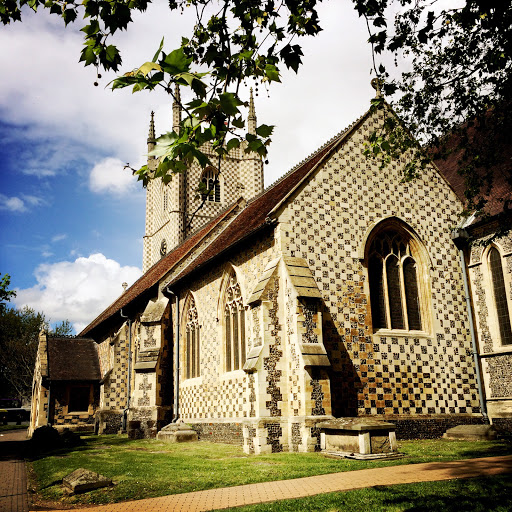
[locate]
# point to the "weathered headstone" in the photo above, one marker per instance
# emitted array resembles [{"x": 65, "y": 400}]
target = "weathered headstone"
[
  {"x": 177, "y": 433},
  {"x": 83, "y": 480},
  {"x": 471, "y": 433}
]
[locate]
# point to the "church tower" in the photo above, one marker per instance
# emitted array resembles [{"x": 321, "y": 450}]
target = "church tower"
[{"x": 172, "y": 210}]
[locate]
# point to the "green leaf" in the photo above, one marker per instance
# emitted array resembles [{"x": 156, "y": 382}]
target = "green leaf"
[
  {"x": 229, "y": 103},
  {"x": 232, "y": 144},
  {"x": 147, "y": 67},
  {"x": 159, "y": 50},
  {"x": 176, "y": 62},
  {"x": 272, "y": 73},
  {"x": 264, "y": 130}
]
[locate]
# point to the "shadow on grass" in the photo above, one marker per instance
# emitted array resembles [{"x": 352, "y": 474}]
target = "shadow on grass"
[{"x": 474, "y": 494}]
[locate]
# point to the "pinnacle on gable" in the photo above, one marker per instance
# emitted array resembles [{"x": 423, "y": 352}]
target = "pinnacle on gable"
[{"x": 151, "y": 134}]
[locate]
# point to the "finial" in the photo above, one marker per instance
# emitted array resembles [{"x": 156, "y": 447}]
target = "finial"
[
  {"x": 252, "y": 111},
  {"x": 251, "y": 119},
  {"x": 176, "y": 109},
  {"x": 151, "y": 135},
  {"x": 124, "y": 285},
  {"x": 377, "y": 85}
]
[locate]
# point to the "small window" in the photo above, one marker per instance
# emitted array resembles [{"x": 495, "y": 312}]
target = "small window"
[
  {"x": 192, "y": 347},
  {"x": 79, "y": 398},
  {"x": 393, "y": 280},
  {"x": 234, "y": 326},
  {"x": 500, "y": 296},
  {"x": 211, "y": 180}
]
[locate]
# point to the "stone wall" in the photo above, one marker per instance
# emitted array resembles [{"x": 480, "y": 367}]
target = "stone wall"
[{"x": 495, "y": 356}]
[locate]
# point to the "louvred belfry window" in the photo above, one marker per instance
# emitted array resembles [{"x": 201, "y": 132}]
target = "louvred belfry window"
[
  {"x": 211, "y": 180},
  {"x": 234, "y": 326},
  {"x": 500, "y": 296},
  {"x": 192, "y": 347},
  {"x": 394, "y": 287}
]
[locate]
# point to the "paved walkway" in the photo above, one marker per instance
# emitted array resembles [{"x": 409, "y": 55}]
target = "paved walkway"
[
  {"x": 309, "y": 486},
  {"x": 13, "y": 478},
  {"x": 13, "y": 483}
]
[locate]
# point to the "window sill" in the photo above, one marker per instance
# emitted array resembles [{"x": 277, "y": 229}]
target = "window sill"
[
  {"x": 402, "y": 333},
  {"x": 502, "y": 350}
]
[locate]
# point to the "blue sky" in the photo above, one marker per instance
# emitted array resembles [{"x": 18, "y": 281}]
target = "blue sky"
[{"x": 71, "y": 218}]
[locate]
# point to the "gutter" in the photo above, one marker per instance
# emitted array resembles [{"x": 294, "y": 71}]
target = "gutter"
[{"x": 461, "y": 240}]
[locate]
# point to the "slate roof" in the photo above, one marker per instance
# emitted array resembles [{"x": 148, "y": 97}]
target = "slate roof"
[
  {"x": 251, "y": 219},
  {"x": 73, "y": 359}
]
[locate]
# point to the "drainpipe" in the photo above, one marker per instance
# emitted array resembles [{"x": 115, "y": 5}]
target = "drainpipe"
[
  {"x": 125, "y": 412},
  {"x": 176, "y": 412},
  {"x": 460, "y": 238},
  {"x": 49, "y": 403}
]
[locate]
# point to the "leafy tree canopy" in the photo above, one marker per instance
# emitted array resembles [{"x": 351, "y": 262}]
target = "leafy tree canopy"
[
  {"x": 456, "y": 78},
  {"x": 5, "y": 294},
  {"x": 19, "y": 335}
]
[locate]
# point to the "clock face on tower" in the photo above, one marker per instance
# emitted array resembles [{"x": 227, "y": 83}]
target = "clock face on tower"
[{"x": 163, "y": 248}]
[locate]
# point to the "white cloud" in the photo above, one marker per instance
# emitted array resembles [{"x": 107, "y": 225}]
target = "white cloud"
[
  {"x": 58, "y": 238},
  {"x": 19, "y": 204},
  {"x": 76, "y": 290},
  {"x": 32, "y": 200},
  {"x": 12, "y": 204},
  {"x": 110, "y": 177}
]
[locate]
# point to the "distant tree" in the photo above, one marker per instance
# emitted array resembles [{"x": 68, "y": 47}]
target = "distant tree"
[
  {"x": 64, "y": 328},
  {"x": 19, "y": 331},
  {"x": 19, "y": 335},
  {"x": 5, "y": 294}
]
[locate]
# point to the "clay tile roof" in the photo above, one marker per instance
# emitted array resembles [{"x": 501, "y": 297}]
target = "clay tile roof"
[
  {"x": 250, "y": 219},
  {"x": 256, "y": 214},
  {"x": 157, "y": 271},
  {"x": 72, "y": 358},
  {"x": 502, "y": 180}
]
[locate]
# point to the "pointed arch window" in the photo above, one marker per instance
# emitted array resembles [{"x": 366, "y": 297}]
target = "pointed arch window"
[
  {"x": 394, "y": 282},
  {"x": 500, "y": 296},
  {"x": 192, "y": 343},
  {"x": 234, "y": 326},
  {"x": 211, "y": 181}
]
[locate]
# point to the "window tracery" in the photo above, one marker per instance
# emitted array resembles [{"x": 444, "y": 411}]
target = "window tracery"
[
  {"x": 394, "y": 285},
  {"x": 234, "y": 326},
  {"x": 211, "y": 181},
  {"x": 192, "y": 343},
  {"x": 499, "y": 293}
]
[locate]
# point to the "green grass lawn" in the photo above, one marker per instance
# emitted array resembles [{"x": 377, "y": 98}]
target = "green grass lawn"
[
  {"x": 484, "y": 494},
  {"x": 148, "y": 468}
]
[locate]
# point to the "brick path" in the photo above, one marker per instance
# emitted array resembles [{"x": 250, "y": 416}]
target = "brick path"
[
  {"x": 13, "y": 478},
  {"x": 13, "y": 483},
  {"x": 301, "y": 487}
]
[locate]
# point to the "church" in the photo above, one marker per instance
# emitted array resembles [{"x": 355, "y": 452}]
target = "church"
[{"x": 338, "y": 291}]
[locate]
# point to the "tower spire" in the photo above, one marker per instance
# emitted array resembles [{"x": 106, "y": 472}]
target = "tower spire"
[
  {"x": 176, "y": 110},
  {"x": 151, "y": 137},
  {"x": 251, "y": 119}
]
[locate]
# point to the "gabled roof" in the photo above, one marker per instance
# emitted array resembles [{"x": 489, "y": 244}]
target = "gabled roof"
[
  {"x": 73, "y": 359},
  {"x": 259, "y": 211},
  {"x": 158, "y": 270},
  {"x": 255, "y": 216}
]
